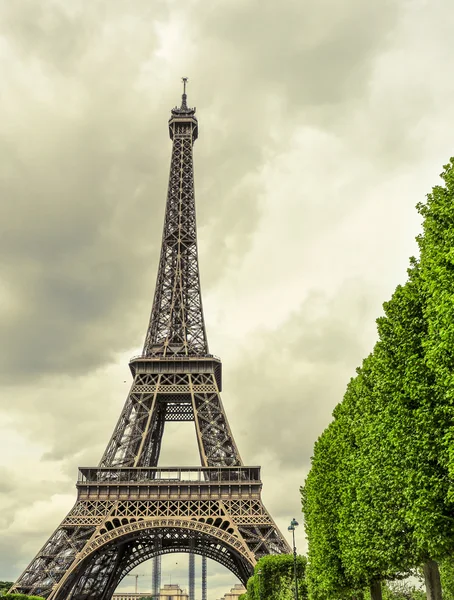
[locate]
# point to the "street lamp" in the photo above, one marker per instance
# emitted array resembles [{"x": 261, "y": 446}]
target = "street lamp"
[
  {"x": 259, "y": 573},
  {"x": 293, "y": 525}
]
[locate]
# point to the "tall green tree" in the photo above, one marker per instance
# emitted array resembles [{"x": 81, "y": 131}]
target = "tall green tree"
[
  {"x": 326, "y": 577},
  {"x": 397, "y": 487},
  {"x": 437, "y": 273},
  {"x": 432, "y": 498},
  {"x": 373, "y": 538},
  {"x": 355, "y": 523},
  {"x": 419, "y": 431}
]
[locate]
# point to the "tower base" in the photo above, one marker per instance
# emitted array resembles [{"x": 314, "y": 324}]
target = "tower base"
[{"x": 124, "y": 516}]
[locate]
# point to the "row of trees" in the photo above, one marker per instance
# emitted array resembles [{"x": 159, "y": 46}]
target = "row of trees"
[
  {"x": 273, "y": 579},
  {"x": 379, "y": 498},
  {"x": 4, "y": 587},
  {"x": 19, "y": 596},
  {"x": 7, "y": 585}
]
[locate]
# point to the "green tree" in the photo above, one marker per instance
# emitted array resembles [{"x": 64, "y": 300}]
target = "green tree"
[
  {"x": 437, "y": 262},
  {"x": 354, "y": 523},
  {"x": 391, "y": 468},
  {"x": 5, "y": 586},
  {"x": 396, "y": 509},
  {"x": 21, "y": 597},
  {"x": 326, "y": 576},
  {"x": 372, "y": 536},
  {"x": 447, "y": 578},
  {"x": 273, "y": 578}
]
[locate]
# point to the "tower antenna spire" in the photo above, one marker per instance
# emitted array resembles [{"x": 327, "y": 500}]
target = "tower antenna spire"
[{"x": 184, "y": 97}]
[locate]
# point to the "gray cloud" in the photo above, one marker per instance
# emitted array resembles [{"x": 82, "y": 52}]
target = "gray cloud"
[
  {"x": 86, "y": 162},
  {"x": 313, "y": 53},
  {"x": 78, "y": 175},
  {"x": 283, "y": 390}
]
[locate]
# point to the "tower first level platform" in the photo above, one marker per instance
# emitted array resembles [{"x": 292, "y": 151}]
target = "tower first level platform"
[{"x": 124, "y": 516}]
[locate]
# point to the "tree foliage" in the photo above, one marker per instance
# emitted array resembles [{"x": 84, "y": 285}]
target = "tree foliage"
[
  {"x": 447, "y": 577},
  {"x": 5, "y": 586},
  {"x": 273, "y": 578},
  {"x": 21, "y": 597},
  {"x": 379, "y": 498},
  {"x": 371, "y": 515},
  {"x": 437, "y": 266},
  {"x": 326, "y": 575}
]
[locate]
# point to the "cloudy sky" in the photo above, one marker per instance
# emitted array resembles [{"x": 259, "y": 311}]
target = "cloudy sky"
[{"x": 322, "y": 123}]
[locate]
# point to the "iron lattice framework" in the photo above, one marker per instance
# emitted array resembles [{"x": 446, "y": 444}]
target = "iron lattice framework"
[
  {"x": 191, "y": 578},
  {"x": 128, "y": 509},
  {"x": 204, "y": 578},
  {"x": 156, "y": 580}
]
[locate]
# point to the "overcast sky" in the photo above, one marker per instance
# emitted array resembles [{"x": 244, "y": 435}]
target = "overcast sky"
[{"x": 321, "y": 125}]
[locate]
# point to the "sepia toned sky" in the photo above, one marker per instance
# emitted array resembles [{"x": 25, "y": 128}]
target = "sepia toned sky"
[{"x": 321, "y": 125}]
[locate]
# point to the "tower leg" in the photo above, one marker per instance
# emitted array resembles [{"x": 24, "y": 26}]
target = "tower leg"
[
  {"x": 156, "y": 586},
  {"x": 204, "y": 578},
  {"x": 191, "y": 575}
]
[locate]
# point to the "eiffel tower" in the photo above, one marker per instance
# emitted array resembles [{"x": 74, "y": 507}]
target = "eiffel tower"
[{"x": 128, "y": 509}]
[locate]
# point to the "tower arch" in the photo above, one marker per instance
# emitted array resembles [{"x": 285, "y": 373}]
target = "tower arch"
[{"x": 110, "y": 556}]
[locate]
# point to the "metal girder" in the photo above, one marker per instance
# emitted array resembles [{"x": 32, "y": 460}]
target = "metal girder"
[
  {"x": 156, "y": 581},
  {"x": 191, "y": 572},
  {"x": 204, "y": 578}
]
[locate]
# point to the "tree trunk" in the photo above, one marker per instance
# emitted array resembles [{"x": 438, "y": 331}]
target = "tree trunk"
[
  {"x": 375, "y": 590},
  {"x": 432, "y": 578}
]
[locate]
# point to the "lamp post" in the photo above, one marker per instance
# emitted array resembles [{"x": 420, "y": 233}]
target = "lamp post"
[
  {"x": 293, "y": 525},
  {"x": 259, "y": 573}
]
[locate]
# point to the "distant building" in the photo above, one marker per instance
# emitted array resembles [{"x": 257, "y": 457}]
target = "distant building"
[
  {"x": 173, "y": 592},
  {"x": 130, "y": 596},
  {"x": 168, "y": 592},
  {"x": 234, "y": 593}
]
